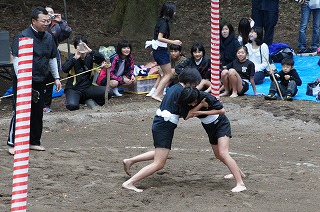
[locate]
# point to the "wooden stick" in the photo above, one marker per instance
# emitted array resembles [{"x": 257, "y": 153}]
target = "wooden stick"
[
  {"x": 273, "y": 77},
  {"x": 50, "y": 83},
  {"x": 106, "y": 94}
]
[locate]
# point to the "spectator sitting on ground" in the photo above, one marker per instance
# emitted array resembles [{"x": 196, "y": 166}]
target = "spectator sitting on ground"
[
  {"x": 199, "y": 61},
  {"x": 258, "y": 53},
  {"x": 79, "y": 89},
  {"x": 122, "y": 68},
  {"x": 289, "y": 80}
]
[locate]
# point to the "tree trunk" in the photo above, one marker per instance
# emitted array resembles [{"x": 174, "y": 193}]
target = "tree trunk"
[{"x": 132, "y": 17}]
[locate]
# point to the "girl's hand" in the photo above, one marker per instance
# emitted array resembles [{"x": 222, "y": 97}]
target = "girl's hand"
[
  {"x": 133, "y": 79},
  {"x": 203, "y": 103},
  {"x": 177, "y": 42},
  {"x": 87, "y": 49},
  {"x": 77, "y": 54}
]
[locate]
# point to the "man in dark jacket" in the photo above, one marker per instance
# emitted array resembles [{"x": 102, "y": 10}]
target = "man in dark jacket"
[
  {"x": 60, "y": 31},
  {"x": 44, "y": 59},
  {"x": 265, "y": 13}
]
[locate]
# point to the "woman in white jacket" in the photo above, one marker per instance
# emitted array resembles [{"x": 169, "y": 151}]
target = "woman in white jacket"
[{"x": 258, "y": 53}]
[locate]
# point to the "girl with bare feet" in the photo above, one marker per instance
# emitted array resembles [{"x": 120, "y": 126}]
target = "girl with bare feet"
[
  {"x": 211, "y": 113},
  {"x": 164, "y": 124},
  {"x": 237, "y": 74},
  {"x": 159, "y": 46}
]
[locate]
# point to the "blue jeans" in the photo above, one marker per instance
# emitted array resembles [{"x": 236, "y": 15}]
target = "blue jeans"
[{"x": 305, "y": 17}]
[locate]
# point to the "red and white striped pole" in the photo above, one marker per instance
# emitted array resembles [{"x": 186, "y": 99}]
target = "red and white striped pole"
[
  {"x": 22, "y": 128},
  {"x": 215, "y": 54}
]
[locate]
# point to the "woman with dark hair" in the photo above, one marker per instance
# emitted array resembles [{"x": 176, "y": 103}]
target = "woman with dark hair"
[
  {"x": 228, "y": 43},
  {"x": 258, "y": 53},
  {"x": 199, "y": 61},
  {"x": 160, "y": 46},
  {"x": 121, "y": 72},
  {"x": 244, "y": 28}
]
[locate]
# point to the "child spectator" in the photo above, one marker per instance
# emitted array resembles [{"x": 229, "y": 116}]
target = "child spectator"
[
  {"x": 228, "y": 43},
  {"x": 289, "y": 80},
  {"x": 308, "y": 7},
  {"x": 164, "y": 124},
  {"x": 211, "y": 113},
  {"x": 79, "y": 89},
  {"x": 199, "y": 61},
  {"x": 121, "y": 71},
  {"x": 177, "y": 58},
  {"x": 258, "y": 52},
  {"x": 244, "y": 28},
  {"x": 237, "y": 74}
]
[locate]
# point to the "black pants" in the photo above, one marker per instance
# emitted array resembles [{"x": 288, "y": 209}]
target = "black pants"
[
  {"x": 48, "y": 91},
  {"x": 36, "y": 123},
  {"x": 75, "y": 97},
  {"x": 267, "y": 20}
]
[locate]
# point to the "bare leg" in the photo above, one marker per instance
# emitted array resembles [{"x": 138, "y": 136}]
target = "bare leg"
[
  {"x": 236, "y": 82},
  {"x": 160, "y": 158},
  {"x": 127, "y": 163},
  {"x": 221, "y": 152},
  {"x": 225, "y": 82},
  {"x": 167, "y": 75}
]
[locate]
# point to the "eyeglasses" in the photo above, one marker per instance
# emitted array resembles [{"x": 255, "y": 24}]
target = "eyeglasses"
[{"x": 48, "y": 21}]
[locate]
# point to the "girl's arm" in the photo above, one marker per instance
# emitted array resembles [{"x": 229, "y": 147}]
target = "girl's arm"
[
  {"x": 253, "y": 85},
  {"x": 265, "y": 54},
  {"x": 165, "y": 40}
]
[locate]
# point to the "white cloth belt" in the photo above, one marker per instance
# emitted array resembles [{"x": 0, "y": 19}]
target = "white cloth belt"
[
  {"x": 155, "y": 44},
  {"x": 167, "y": 116},
  {"x": 209, "y": 119}
]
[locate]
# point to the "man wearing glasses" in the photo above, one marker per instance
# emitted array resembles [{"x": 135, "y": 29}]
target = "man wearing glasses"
[{"x": 44, "y": 59}]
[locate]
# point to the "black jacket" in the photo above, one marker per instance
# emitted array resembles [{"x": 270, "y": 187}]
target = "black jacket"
[
  {"x": 203, "y": 67},
  {"x": 73, "y": 67},
  {"x": 228, "y": 48}
]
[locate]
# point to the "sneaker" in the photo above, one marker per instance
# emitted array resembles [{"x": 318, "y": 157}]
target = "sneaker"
[
  {"x": 47, "y": 110},
  {"x": 289, "y": 97},
  {"x": 270, "y": 96},
  {"x": 116, "y": 92},
  {"x": 307, "y": 52}
]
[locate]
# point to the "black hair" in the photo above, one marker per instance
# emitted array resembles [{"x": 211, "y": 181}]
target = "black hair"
[
  {"x": 259, "y": 39},
  {"x": 244, "y": 29},
  {"x": 167, "y": 11},
  {"x": 77, "y": 40},
  {"x": 36, "y": 11},
  {"x": 242, "y": 47},
  {"x": 229, "y": 25},
  {"x": 190, "y": 76},
  {"x": 197, "y": 46},
  {"x": 122, "y": 44},
  {"x": 188, "y": 95},
  {"x": 287, "y": 61},
  {"x": 175, "y": 47}
]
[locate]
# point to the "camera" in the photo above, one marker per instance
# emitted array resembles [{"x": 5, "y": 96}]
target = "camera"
[{"x": 52, "y": 16}]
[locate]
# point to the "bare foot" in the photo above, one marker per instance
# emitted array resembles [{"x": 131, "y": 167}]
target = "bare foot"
[
  {"x": 239, "y": 188},
  {"x": 131, "y": 187},
  {"x": 234, "y": 95},
  {"x": 230, "y": 176},
  {"x": 156, "y": 98},
  {"x": 126, "y": 166},
  {"x": 225, "y": 94}
]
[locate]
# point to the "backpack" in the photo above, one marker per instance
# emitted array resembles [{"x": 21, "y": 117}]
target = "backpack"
[
  {"x": 279, "y": 51},
  {"x": 280, "y": 55}
]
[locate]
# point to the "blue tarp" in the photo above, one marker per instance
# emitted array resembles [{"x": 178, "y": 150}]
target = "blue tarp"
[
  {"x": 308, "y": 70},
  {"x": 54, "y": 93}
]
